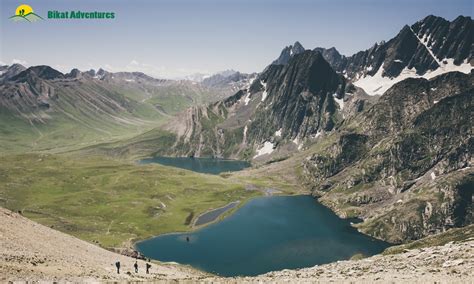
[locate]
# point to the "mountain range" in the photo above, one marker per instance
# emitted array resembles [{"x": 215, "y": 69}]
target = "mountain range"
[
  {"x": 44, "y": 105},
  {"x": 384, "y": 135},
  {"x": 401, "y": 160}
]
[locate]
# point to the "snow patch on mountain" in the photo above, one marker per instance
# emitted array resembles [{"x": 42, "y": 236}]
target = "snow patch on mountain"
[
  {"x": 297, "y": 142},
  {"x": 247, "y": 99},
  {"x": 378, "y": 84},
  {"x": 267, "y": 148},
  {"x": 278, "y": 133},
  {"x": 245, "y": 134},
  {"x": 264, "y": 94}
]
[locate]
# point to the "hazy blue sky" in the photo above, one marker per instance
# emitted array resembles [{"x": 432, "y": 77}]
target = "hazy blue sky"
[{"x": 171, "y": 38}]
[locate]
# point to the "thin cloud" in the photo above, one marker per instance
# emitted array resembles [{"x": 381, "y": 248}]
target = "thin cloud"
[
  {"x": 155, "y": 71},
  {"x": 19, "y": 61}
]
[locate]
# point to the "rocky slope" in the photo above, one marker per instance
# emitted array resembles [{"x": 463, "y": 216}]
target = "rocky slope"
[
  {"x": 405, "y": 164},
  {"x": 33, "y": 252},
  {"x": 450, "y": 263}
]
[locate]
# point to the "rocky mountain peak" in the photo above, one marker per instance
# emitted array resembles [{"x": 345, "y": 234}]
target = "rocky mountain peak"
[
  {"x": 299, "y": 99},
  {"x": 11, "y": 71},
  {"x": 332, "y": 56},
  {"x": 227, "y": 73},
  {"x": 446, "y": 39},
  {"x": 289, "y": 52},
  {"x": 17, "y": 66},
  {"x": 297, "y": 47},
  {"x": 101, "y": 72},
  {"x": 90, "y": 72},
  {"x": 75, "y": 73},
  {"x": 41, "y": 71}
]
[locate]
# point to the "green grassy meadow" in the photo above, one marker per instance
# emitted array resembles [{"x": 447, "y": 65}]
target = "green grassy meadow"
[{"x": 114, "y": 203}]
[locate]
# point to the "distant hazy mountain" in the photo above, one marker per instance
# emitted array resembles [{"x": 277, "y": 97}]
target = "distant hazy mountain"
[
  {"x": 226, "y": 73},
  {"x": 197, "y": 77},
  {"x": 228, "y": 82}
]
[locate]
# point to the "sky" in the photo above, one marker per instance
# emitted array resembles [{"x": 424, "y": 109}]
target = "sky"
[{"x": 176, "y": 38}]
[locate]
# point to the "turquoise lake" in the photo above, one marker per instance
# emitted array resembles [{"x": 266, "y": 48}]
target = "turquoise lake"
[
  {"x": 266, "y": 234},
  {"x": 201, "y": 165}
]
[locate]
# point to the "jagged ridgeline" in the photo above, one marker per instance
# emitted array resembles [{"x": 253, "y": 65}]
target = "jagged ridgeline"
[{"x": 384, "y": 134}]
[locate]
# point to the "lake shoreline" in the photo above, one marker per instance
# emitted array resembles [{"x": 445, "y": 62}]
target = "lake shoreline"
[
  {"x": 203, "y": 165},
  {"x": 228, "y": 207},
  {"x": 205, "y": 244}
]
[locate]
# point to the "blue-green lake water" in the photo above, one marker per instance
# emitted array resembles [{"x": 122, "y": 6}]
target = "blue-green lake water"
[
  {"x": 201, "y": 165},
  {"x": 266, "y": 234}
]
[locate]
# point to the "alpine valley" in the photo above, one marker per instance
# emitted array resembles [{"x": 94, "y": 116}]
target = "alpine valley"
[{"x": 384, "y": 135}]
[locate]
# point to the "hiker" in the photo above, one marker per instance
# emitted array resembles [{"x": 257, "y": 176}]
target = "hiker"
[
  {"x": 148, "y": 268},
  {"x": 187, "y": 239},
  {"x": 136, "y": 266},
  {"x": 117, "y": 264}
]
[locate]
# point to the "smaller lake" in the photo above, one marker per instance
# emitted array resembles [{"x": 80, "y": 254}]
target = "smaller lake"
[
  {"x": 201, "y": 165},
  {"x": 214, "y": 214},
  {"x": 266, "y": 234}
]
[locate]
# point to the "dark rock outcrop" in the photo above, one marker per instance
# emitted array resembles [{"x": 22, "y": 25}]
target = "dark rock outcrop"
[{"x": 288, "y": 52}]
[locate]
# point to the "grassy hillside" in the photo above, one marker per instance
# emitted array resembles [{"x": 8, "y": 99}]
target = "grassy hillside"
[
  {"x": 111, "y": 203},
  {"x": 62, "y": 114}
]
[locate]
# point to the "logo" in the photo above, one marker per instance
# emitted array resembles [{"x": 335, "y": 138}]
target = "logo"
[{"x": 25, "y": 13}]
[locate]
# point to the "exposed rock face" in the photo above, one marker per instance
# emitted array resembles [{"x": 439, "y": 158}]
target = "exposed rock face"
[
  {"x": 408, "y": 166},
  {"x": 333, "y": 57},
  {"x": 447, "y": 39},
  {"x": 297, "y": 99}
]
